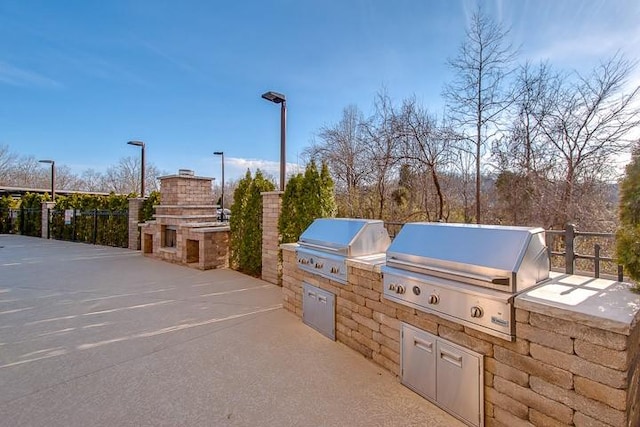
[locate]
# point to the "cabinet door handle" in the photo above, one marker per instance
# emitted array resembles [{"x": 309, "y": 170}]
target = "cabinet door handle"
[
  {"x": 423, "y": 345},
  {"x": 451, "y": 358},
  {"x": 322, "y": 299},
  {"x": 311, "y": 294}
]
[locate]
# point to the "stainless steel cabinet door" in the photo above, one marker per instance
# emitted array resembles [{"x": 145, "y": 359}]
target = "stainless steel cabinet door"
[
  {"x": 418, "y": 361},
  {"x": 319, "y": 310},
  {"x": 458, "y": 382}
]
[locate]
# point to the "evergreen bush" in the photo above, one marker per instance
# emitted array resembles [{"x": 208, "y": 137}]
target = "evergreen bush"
[
  {"x": 306, "y": 198},
  {"x": 103, "y": 220},
  {"x": 246, "y": 224},
  {"x": 30, "y": 216},
  {"x": 7, "y": 205},
  {"x": 628, "y": 234}
]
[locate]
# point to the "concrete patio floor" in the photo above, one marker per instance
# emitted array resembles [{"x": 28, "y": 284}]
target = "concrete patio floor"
[{"x": 98, "y": 336}]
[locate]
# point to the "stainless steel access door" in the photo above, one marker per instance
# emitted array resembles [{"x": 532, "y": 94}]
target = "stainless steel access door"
[
  {"x": 458, "y": 382},
  {"x": 418, "y": 360},
  {"x": 319, "y": 310}
]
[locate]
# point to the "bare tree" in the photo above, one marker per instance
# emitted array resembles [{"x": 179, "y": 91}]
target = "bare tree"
[
  {"x": 426, "y": 144},
  {"x": 342, "y": 147},
  {"x": 521, "y": 155},
  {"x": 90, "y": 180},
  {"x": 382, "y": 148},
  {"x": 476, "y": 98},
  {"x": 124, "y": 178},
  {"x": 590, "y": 121},
  {"x": 7, "y": 162}
]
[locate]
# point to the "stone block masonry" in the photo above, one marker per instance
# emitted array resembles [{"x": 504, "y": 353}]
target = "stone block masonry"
[
  {"x": 563, "y": 369},
  {"x": 271, "y": 265},
  {"x": 185, "y": 228},
  {"x": 135, "y": 205}
]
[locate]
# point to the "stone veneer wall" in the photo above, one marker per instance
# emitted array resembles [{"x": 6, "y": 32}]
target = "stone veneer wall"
[
  {"x": 213, "y": 247},
  {"x": 185, "y": 190},
  {"x": 187, "y": 206},
  {"x": 271, "y": 265},
  {"x": 44, "y": 230},
  {"x": 556, "y": 373},
  {"x": 135, "y": 204}
]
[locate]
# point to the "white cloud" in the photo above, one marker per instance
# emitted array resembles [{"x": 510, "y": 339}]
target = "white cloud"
[
  {"x": 593, "y": 45},
  {"x": 15, "y": 76},
  {"x": 238, "y": 166}
]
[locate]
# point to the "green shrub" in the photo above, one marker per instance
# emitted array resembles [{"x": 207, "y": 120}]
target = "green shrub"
[
  {"x": 147, "y": 210},
  {"x": 246, "y": 224},
  {"x": 628, "y": 234},
  {"x": 306, "y": 198},
  {"x": 30, "y": 215},
  {"x": 103, "y": 220},
  {"x": 7, "y": 205}
]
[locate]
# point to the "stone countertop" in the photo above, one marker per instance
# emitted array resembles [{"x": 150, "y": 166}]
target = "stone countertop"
[
  {"x": 599, "y": 303},
  {"x": 369, "y": 262},
  {"x": 288, "y": 246}
]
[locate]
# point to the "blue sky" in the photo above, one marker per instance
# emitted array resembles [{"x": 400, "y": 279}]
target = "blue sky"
[{"x": 80, "y": 78}]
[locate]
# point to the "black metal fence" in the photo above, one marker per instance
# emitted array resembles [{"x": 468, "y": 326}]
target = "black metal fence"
[
  {"x": 572, "y": 251},
  {"x": 100, "y": 227},
  {"x": 583, "y": 252},
  {"x": 25, "y": 221}
]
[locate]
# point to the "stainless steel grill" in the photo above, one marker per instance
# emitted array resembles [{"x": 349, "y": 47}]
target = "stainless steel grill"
[
  {"x": 327, "y": 243},
  {"x": 465, "y": 273}
]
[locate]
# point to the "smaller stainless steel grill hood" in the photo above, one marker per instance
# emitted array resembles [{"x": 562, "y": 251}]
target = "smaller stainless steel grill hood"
[
  {"x": 347, "y": 237},
  {"x": 510, "y": 259},
  {"x": 327, "y": 243}
]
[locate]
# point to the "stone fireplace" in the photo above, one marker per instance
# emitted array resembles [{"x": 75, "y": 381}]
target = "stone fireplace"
[{"x": 185, "y": 229}]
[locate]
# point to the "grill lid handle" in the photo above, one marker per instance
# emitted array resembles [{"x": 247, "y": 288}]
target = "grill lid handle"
[{"x": 497, "y": 280}]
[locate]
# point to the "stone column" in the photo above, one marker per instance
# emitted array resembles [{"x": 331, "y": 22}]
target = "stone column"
[
  {"x": 135, "y": 205},
  {"x": 271, "y": 263},
  {"x": 45, "y": 218}
]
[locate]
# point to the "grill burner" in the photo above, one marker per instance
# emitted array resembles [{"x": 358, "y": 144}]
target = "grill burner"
[
  {"x": 327, "y": 243},
  {"x": 465, "y": 273}
]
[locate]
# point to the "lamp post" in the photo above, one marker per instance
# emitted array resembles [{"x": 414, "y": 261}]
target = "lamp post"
[
  {"x": 279, "y": 98},
  {"x": 141, "y": 145},
  {"x": 53, "y": 177},
  {"x": 221, "y": 153}
]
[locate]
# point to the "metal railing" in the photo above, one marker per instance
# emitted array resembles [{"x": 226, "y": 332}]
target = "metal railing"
[
  {"x": 567, "y": 251},
  {"x": 101, "y": 227},
  {"x": 25, "y": 221},
  {"x": 574, "y": 242}
]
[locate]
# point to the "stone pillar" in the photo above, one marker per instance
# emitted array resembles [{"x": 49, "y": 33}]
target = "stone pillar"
[
  {"x": 135, "y": 205},
  {"x": 45, "y": 218},
  {"x": 271, "y": 263}
]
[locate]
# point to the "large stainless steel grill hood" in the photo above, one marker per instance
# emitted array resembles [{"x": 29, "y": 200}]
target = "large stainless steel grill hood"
[
  {"x": 326, "y": 244},
  {"x": 509, "y": 259},
  {"x": 465, "y": 273}
]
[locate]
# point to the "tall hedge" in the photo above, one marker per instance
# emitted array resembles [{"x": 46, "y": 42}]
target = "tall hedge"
[
  {"x": 246, "y": 223},
  {"x": 147, "y": 211},
  {"x": 7, "y": 204},
  {"x": 30, "y": 217},
  {"x": 102, "y": 220},
  {"x": 628, "y": 234},
  {"x": 308, "y": 196}
]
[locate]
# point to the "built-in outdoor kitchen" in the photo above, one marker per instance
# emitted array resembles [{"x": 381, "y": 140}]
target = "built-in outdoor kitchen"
[{"x": 472, "y": 318}]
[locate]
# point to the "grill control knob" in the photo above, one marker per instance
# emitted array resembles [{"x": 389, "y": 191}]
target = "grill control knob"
[
  {"x": 319, "y": 265},
  {"x": 416, "y": 290},
  {"x": 434, "y": 299},
  {"x": 392, "y": 287},
  {"x": 400, "y": 289},
  {"x": 335, "y": 270},
  {"x": 476, "y": 311}
]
